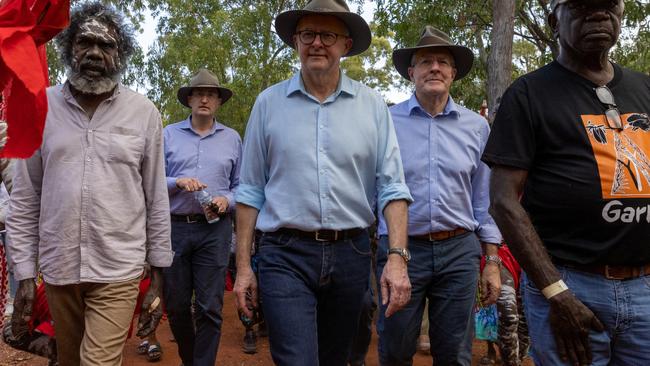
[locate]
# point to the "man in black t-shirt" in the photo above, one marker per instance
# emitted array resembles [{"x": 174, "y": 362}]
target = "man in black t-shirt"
[{"x": 572, "y": 139}]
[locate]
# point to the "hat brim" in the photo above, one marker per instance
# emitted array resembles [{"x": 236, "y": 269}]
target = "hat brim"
[
  {"x": 184, "y": 92},
  {"x": 285, "y": 26},
  {"x": 463, "y": 58}
]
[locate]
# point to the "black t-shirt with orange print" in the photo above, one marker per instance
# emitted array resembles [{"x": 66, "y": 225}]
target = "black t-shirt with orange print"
[{"x": 588, "y": 186}]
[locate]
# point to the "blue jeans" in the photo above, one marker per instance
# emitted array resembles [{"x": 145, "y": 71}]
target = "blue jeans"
[
  {"x": 312, "y": 293},
  {"x": 201, "y": 253},
  {"x": 445, "y": 272},
  {"x": 622, "y": 306},
  {"x": 364, "y": 331}
]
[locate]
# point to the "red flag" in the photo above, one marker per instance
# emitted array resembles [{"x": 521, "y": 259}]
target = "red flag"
[{"x": 25, "y": 27}]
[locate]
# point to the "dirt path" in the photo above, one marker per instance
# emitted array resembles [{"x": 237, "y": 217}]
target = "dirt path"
[{"x": 230, "y": 353}]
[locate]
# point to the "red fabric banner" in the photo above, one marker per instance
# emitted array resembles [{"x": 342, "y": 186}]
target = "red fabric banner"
[{"x": 25, "y": 27}]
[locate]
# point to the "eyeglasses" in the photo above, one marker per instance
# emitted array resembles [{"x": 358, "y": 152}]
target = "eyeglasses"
[
  {"x": 612, "y": 113},
  {"x": 308, "y": 37}
]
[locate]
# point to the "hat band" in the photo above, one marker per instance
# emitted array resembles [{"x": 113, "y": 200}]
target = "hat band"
[{"x": 433, "y": 41}]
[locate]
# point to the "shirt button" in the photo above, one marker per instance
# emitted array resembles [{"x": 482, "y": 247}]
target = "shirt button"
[
  {"x": 323, "y": 196},
  {"x": 199, "y": 166},
  {"x": 88, "y": 159},
  {"x": 322, "y": 172},
  {"x": 321, "y": 127}
]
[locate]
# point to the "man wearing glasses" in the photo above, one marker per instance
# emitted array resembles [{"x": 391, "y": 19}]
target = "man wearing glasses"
[
  {"x": 319, "y": 153},
  {"x": 573, "y": 138}
]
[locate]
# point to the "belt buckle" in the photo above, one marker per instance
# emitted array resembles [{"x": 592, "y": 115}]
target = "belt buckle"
[
  {"x": 189, "y": 220},
  {"x": 431, "y": 238},
  {"x": 318, "y": 237},
  {"x": 612, "y": 276}
]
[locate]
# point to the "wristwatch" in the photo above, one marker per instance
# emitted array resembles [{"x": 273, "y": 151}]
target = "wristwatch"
[
  {"x": 493, "y": 258},
  {"x": 402, "y": 252}
]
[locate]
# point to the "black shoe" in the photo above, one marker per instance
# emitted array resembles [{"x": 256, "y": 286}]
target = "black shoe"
[{"x": 250, "y": 342}]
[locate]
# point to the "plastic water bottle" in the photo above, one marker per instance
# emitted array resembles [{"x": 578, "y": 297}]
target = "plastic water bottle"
[{"x": 205, "y": 199}]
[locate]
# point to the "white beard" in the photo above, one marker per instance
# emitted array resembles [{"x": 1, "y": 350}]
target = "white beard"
[{"x": 96, "y": 86}]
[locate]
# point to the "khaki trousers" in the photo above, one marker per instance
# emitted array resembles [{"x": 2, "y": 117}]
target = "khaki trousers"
[{"x": 91, "y": 321}]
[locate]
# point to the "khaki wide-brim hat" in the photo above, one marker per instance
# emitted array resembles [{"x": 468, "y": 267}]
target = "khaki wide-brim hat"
[
  {"x": 434, "y": 38},
  {"x": 203, "y": 79},
  {"x": 286, "y": 22}
]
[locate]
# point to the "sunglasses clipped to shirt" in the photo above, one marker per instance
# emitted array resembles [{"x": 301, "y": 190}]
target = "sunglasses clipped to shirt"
[{"x": 612, "y": 113}]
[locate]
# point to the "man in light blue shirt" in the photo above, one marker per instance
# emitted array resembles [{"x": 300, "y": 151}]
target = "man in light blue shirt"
[
  {"x": 441, "y": 145},
  {"x": 320, "y": 155},
  {"x": 200, "y": 154}
]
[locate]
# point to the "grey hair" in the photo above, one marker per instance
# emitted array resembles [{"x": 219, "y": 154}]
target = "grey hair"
[{"x": 106, "y": 14}]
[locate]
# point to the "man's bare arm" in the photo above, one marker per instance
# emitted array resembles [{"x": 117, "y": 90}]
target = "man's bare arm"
[
  {"x": 394, "y": 282},
  {"x": 246, "y": 282},
  {"x": 569, "y": 318}
]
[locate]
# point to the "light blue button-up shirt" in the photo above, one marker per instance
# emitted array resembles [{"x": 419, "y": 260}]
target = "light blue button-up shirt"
[
  {"x": 309, "y": 165},
  {"x": 444, "y": 171},
  {"x": 214, "y": 159}
]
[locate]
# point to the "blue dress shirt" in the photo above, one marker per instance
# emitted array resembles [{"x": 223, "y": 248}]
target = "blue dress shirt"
[
  {"x": 443, "y": 169},
  {"x": 214, "y": 159},
  {"x": 309, "y": 165}
]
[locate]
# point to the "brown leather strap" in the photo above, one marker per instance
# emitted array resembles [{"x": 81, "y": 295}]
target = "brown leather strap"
[
  {"x": 321, "y": 235},
  {"x": 440, "y": 235},
  {"x": 618, "y": 272}
]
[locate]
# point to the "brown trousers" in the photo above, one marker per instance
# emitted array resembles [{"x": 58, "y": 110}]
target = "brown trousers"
[{"x": 91, "y": 321}]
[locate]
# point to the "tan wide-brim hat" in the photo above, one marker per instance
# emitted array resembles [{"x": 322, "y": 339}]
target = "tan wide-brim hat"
[
  {"x": 434, "y": 38},
  {"x": 203, "y": 79},
  {"x": 286, "y": 22}
]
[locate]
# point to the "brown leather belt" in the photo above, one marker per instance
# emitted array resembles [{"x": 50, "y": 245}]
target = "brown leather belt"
[
  {"x": 618, "y": 272},
  {"x": 190, "y": 219},
  {"x": 320, "y": 235},
  {"x": 440, "y": 235}
]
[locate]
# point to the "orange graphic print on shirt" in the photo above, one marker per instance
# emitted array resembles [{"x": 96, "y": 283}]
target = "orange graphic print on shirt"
[{"x": 621, "y": 155}]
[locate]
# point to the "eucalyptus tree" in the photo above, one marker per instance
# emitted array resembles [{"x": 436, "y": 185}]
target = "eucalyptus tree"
[{"x": 471, "y": 22}]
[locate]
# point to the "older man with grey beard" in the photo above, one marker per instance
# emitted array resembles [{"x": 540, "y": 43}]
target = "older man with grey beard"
[{"x": 90, "y": 207}]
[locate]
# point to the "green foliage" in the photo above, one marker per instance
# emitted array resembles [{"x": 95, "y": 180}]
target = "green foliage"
[
  {"x": 374, "y": 66},
  {"x": 469, "y": 23},
  {"x": 236, "y": 40}
]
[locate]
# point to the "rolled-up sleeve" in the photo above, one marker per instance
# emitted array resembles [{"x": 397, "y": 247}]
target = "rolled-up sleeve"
[
  {"x": 391, "y": 185},
  {"x": 234, "y": 176},
  {"x": 254, "y": 172},
  {"x": 154, "y": 184},
  {"x": 487, "y": 231},
  {"x": 24, "y": 216}
]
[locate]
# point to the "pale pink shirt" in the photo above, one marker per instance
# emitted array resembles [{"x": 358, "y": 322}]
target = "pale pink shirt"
[{"x": 91, "y": 205}]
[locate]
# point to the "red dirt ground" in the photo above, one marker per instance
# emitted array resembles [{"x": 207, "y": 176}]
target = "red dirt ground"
[{"x": 230, "y": 353}]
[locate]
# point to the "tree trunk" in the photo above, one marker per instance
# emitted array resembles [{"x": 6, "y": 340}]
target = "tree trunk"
[{"x": 500, "y": 58}]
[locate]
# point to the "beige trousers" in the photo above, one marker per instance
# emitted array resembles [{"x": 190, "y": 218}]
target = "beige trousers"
[{"x": 91, "y": 321}]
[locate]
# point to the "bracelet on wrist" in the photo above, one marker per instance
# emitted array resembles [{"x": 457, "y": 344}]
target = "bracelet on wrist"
[
  {"x": 494, "y": 259},
  {"x": 554, "y": 289}
]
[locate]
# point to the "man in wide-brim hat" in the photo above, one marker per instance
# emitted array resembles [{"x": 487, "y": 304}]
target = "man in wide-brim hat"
[
  {"x": 440, "y": 142},
  {"x": 319, "y": 149},
  {"x": 200, "y": 154}
]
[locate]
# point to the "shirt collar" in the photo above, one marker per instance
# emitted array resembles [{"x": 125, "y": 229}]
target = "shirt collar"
[
  {"x": 450, "y": 107},
  {"x": 345, "y": 86},
  {"x": 187, "y": 125}
]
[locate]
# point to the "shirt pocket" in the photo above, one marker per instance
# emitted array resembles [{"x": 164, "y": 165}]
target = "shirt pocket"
[{"x": 126, "y": 146}]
